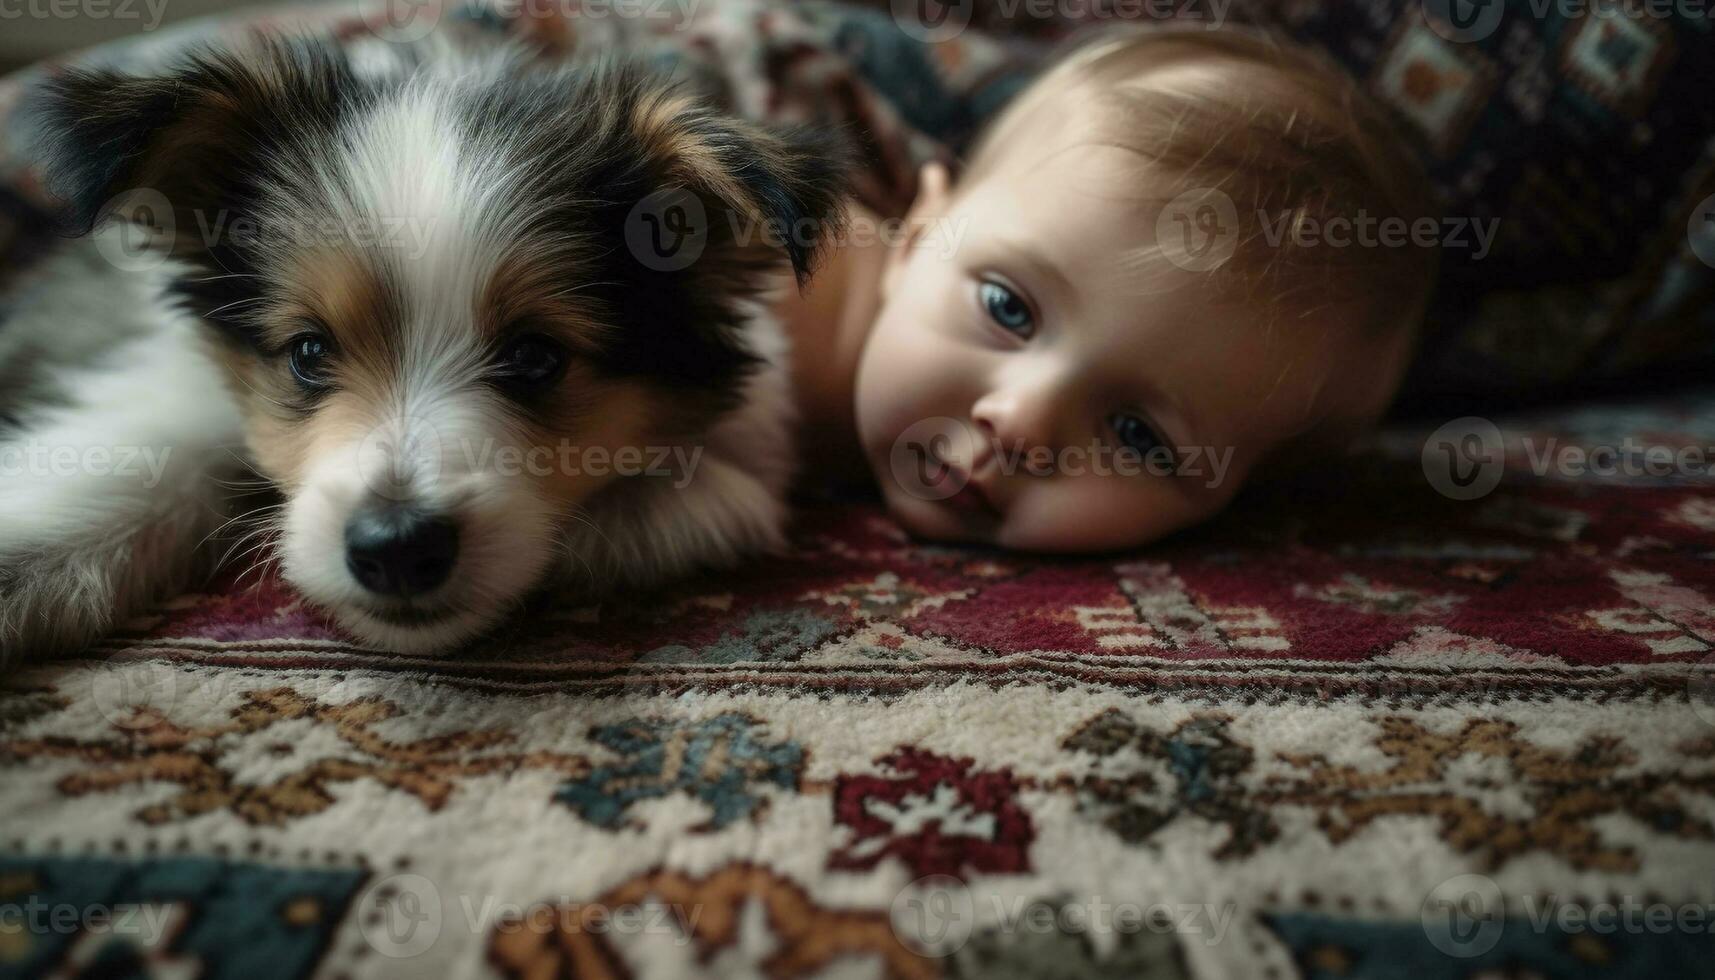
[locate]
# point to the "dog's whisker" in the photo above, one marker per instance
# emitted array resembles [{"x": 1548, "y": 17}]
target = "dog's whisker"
[
  {"x": 265, "y": 543},
  {"x": 261, "y": 513}
]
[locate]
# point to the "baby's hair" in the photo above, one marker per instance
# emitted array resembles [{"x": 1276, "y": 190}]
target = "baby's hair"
[{"x": 1287, "y": 136}]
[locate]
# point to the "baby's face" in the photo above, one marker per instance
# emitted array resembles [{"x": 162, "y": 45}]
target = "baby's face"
[{"x": 1041, "y": 388}]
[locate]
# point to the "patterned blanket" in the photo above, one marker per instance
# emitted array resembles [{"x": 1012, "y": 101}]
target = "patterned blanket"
[
  {"x": 1447, "y": 710},
  {"x": 1359, "y": 727}
]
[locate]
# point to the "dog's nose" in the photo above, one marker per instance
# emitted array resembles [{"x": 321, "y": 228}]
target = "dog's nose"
[{"x": 399, "y": 551}]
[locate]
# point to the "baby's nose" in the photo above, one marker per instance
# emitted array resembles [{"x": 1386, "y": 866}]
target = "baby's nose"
[{"x": 1012, "y": 422}]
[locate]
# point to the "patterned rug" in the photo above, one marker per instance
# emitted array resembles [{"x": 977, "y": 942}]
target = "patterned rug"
[{"x": 1356, "y": 728}]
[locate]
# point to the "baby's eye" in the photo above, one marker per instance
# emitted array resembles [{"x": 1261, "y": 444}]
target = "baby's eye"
[
  {"x": 1138, "y": 436},
  {"x": 1005, "y": 308}
]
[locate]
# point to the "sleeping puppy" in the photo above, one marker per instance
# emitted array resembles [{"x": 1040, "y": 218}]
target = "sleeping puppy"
[{"x": 424, "y": 296}]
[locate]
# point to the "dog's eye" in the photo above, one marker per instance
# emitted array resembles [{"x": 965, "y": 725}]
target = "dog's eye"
[
  {"x": 309, "y": 356},
  {"x": 530, "y": 362}
]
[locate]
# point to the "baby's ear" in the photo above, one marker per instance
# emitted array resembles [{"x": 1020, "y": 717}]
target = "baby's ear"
[
  {"x": 934, "y": 187},
  {"x": 934, "y": 193}
]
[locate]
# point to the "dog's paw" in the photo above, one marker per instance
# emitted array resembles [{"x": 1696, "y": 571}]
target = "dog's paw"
[
  {"x": 59, "y": 599},
  {"x": 55, "y": 603}
]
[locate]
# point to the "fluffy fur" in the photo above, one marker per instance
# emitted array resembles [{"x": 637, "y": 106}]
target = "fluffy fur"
[{"x": 418, "y": 211}]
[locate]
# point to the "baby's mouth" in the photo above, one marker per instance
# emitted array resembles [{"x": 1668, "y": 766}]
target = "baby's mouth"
[{"x": 970, "y": 498}]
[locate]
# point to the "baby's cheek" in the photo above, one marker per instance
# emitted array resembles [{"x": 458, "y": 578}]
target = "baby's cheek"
[
  {"x": 1099, "y": 513},
  {"x": 904, "y": 378}
]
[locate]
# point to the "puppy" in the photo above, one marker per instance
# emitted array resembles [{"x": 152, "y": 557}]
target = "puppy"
[{"x": 422, "y": 292}]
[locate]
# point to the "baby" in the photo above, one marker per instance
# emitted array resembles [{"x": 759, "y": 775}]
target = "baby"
[{"x": 1125, "y": 306}]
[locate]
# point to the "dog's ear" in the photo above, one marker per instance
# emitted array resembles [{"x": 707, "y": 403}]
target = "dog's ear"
[
  {"x": 767, "y": 189},
  {"x": 196, "y": 133}
]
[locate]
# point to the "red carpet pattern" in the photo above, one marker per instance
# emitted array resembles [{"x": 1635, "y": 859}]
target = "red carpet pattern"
[{"x": 1353, "y": 724}]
